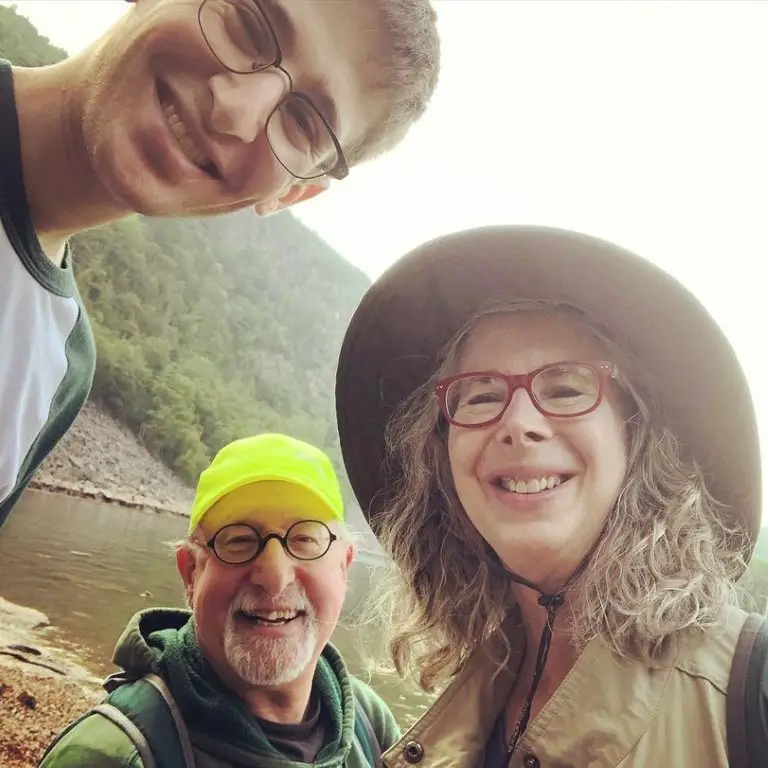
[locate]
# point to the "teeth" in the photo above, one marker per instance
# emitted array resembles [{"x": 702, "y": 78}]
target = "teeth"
[
  {"x": 181, "y": 134},
  {"x": 285, "y": 615},
  {"x": 536, "y": 485},
  {"x": 278, "y": 615}
]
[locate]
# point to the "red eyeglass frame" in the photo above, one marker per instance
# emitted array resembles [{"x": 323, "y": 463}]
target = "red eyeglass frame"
[{"x": 603, "y": 370}]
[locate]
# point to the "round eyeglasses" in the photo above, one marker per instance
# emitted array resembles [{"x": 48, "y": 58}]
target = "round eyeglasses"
[
  {"x": 242, "y": 37},
  {"x": 562, "y": 390},
  {"x": 240, "y": 543}
]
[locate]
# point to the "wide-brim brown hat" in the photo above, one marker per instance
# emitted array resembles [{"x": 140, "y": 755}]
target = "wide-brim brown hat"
[{"x": 413, "y": 310}]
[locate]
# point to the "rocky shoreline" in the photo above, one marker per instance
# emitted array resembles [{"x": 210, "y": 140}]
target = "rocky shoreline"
[
  {"x": 89, "y": 491},
  {"x": 34, "y": 709},
  {"x": 42, "y": 688}
]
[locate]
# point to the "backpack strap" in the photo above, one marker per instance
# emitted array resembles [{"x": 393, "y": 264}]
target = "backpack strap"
[
  {"x": 747, "y": 698},
  {"x": 146, "y": 710},
  {"x": 125, "y": 724},
  {"x": 366, "y": 737}
]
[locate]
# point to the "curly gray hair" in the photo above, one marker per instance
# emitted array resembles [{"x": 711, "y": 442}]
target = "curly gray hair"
[{"x": 409, "y": 77}]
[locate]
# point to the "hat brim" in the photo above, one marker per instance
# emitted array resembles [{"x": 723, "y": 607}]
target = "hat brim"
[{"x": 405, "y": 319}]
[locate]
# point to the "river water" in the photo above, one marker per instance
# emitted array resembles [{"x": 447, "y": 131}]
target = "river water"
[{"x": 90, "y": 566}]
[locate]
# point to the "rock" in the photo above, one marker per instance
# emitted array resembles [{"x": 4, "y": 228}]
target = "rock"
[
  {"x": 20, "y": 616},
  {"x": 20, "y": 656},
  {"x": 30, "y": 702},
  {"x": 33, "y": 710},
  {"x": 26, "y": 649}
]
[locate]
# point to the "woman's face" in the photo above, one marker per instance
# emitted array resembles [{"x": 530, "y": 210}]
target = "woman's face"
[{"x": 541, "y": 536}]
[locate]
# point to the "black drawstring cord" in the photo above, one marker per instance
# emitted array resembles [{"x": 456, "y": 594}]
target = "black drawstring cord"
[{"x": 552, "y": 603}]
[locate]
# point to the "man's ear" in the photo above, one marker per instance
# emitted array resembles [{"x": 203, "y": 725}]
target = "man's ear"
[
  {"x": 186, "y": 562},
  {"x": 296, "y": 194},
  {"x": 349, "y": 556}
]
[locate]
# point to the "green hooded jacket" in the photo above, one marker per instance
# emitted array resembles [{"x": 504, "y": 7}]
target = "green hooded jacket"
[{"x": 223, "y": 732}]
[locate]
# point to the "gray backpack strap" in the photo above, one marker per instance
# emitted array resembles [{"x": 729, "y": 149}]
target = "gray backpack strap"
[
  {"x": 158, "y": 727},
  {"x": 181, "y": 727},
  {"x": 125, "y": 724},
  {"x": 745, "y": 723}
]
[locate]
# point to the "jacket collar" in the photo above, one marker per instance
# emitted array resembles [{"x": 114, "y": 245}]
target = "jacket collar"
[{"x": 590, "y": 704}]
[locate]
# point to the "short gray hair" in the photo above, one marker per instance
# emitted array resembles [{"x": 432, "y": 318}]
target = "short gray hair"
[{"x": 409, "y": 78}]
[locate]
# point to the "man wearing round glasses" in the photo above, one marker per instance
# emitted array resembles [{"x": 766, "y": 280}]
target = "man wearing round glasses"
[
  {"x": 249, "y": 670},
  {"x": 185, "y": 107}
]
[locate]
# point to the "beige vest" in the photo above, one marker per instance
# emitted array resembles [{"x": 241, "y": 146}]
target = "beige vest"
[{"x": 605, "y": 714}]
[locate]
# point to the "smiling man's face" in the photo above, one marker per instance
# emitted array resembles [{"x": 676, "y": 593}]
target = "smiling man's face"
[
  {"x": 170, "y": 130},
  {"x": 264, "y": 623}
]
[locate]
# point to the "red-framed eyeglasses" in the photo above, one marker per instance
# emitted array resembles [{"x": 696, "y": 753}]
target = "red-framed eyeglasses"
[{"x": 562, "y": 390}]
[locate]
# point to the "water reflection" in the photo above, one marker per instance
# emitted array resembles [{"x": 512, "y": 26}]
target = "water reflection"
[{"x": 90, "y": 566}]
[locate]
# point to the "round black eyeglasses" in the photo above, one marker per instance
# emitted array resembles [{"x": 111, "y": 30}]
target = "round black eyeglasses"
[{"x": 240, "y": 543}]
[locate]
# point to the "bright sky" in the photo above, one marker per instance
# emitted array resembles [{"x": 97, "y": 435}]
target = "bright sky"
[{"x": 645, "y": 123}]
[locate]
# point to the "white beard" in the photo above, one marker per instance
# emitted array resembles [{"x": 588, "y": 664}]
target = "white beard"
[{"x": 265, "y": 661}]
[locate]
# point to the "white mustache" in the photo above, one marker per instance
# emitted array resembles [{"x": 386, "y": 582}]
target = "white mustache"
[{"x": 293, "y": 599}]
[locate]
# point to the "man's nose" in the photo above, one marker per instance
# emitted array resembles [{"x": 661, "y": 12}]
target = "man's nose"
[
  {"x": 522, "y": 421},
  {"x": 273, "y": 569},
  {"x": 242, "y": 104}
]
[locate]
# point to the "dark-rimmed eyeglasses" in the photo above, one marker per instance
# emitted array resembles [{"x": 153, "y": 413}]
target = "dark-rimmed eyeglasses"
[
  {"x": 241, "y": 36},
  {"x": 240, "y": 543},
  {"x": 561, "y": 390}
]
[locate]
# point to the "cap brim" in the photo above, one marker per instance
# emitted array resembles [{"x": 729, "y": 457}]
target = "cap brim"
[{"x": 392, "y": 345}]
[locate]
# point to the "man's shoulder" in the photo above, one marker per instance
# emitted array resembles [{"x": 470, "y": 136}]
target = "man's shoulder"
[
  {"x": 94, "y": 739},
  {"x": 365, "y": 697},
  {"x": 18, "y": 228}
]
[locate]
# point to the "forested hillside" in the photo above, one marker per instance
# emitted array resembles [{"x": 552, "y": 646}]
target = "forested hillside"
[
  {"x": 214, "y": 328},
  {"x": 20, "y": 42},
  {"x": 208, "y": 329}
]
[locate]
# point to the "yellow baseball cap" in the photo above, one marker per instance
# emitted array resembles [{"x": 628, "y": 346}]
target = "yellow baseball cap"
[{"x": 290, "y": 474}]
